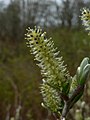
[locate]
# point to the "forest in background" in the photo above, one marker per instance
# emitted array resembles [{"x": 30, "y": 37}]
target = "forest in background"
[{"x": 20, "y": 78}]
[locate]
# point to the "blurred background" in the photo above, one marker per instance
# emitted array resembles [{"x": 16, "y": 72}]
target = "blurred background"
[{"x": 20, "y": 78}]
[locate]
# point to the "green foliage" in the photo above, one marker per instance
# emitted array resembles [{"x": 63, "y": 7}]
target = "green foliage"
[{"x": 81, "y": 74}]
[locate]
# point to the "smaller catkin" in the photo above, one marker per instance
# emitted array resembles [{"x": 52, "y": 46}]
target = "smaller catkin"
[{"x": 85, "y": 17}]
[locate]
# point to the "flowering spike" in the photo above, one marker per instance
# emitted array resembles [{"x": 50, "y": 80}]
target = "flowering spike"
[{"x": 52, "y": 69}]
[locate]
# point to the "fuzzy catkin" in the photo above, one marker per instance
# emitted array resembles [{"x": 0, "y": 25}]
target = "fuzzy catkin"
[{"x": 54, "y": 73}]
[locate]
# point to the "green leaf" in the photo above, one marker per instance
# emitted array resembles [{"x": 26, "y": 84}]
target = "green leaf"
[
  {"x": 78, "y": 74},
  {"x": 85, "y": 73},
  {"x": 84, "y": 62}
]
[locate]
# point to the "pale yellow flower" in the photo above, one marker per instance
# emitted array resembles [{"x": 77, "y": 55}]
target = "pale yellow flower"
[{"x": 55, "y": 75}]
